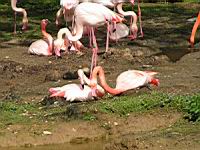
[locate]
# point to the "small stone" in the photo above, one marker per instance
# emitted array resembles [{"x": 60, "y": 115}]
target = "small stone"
[
  {"x": 116, "y": 124},
  {"x": 137, "y": 53},
  {"x": 74, "y": 130},
  {"x": 47, "y": 133}
]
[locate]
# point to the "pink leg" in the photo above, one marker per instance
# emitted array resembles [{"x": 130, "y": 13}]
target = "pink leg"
[
  {"x": 107, "y": 40},
  {"x": 94, "y": 53},
  {"x": 140, "y": 20}
]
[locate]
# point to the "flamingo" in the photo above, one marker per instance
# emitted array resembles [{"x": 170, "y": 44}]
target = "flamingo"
[
  {"x": 20, "y": 10},
  {"x": 110, "y": 4},
  {"x": 46, "y": 47},
  {"x": 196, "y": 24},
  {"x": 91, "y": 14},
  {"x": 127, "y": 80},
  {"x": 77, "y": 92}
]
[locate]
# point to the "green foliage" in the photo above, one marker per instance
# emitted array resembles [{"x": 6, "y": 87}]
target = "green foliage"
[
  {"x": 89, "y": 117},
  {"x": 190, "y": 104}
]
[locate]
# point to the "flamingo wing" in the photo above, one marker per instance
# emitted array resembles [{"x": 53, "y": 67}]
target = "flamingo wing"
[
  {"x": 121, "y": 31},
  {"x": 39, "y": 47}
]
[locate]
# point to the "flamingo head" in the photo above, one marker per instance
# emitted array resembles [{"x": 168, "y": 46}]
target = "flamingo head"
[
  {"x": 155, "y": 82},
  {"x": 69, "y": 5},
  {"x": 81, "y": 73},
  {"x": 25, "y": 24},
  {"x": 44, "y": 22},
  {"x": 60, "y": 44},
  {"x": 98, "y": 91},
  {"x": 132, "y": 2}
]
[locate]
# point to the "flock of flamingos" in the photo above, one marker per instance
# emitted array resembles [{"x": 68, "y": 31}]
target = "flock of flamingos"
[{"x": 86, "y": 15}]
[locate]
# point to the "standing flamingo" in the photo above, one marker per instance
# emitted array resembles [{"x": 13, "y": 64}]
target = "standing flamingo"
[
  {"x": 111, "y": 4},
  {"x": 91, "y": 14},
  {"x": 196, "y": 24},
  {"x": 20, "y": 10},
  {"x": 47, "y": 46},
  {"x": 76, "y": 92},
  {"x": 127, "y": 80}
]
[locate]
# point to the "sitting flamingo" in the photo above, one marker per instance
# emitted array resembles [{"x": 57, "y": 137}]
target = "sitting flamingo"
[
  {"x": 127, "y": 80},
  {"x": 20, "y": 10},
  {"x": 47, "y": 47},
  {"x": 197, "y": 23},
  {"x": 76, "y": 92}
]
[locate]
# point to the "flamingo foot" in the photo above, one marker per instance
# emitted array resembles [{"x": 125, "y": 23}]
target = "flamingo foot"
[
  {"x": 25, "y": 27},
  {"x": 132, "y": 37}
]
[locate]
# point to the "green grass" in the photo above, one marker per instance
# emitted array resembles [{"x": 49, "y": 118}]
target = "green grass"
[{"x": 25, "y": 113}]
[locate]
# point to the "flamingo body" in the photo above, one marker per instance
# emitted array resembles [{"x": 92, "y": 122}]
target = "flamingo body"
[
  {"x": 39, "y": 47},
  {"x": 73, "y": 92},
  {"x": 121, "y": 31},
  {"x": 133, "y": 79},
  {"x": 125, "y": 81}
]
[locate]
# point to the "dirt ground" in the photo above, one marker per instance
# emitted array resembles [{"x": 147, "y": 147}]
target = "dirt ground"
[{"x": 164, "y": 49}]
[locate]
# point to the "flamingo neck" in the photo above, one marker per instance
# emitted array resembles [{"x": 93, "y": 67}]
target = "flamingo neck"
[
  {"x": 99, "y": 71},
  {"x": 21, "y": 10},
  {"x": 127, "y": 13},
  {"x": 48, "y": 37},
  {"x": 69, "y": 35}
]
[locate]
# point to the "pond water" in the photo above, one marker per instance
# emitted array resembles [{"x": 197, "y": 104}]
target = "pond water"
[{"x": 97, "y": 145}]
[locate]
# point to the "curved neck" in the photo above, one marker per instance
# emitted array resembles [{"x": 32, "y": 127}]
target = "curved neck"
[
  {"x": 194, "y": 29},
  {"x": 99, "y": 71},
  {"x": 84, "y": 79},
  {"x": 127, "y": 13},
  {"x": 21, "y": 10},
  {"x": 48, "y": 37},
  {"x": 76, "y": 37}
]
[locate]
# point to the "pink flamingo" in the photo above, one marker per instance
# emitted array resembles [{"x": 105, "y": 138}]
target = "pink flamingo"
[
  {"x": 20, "y": 10},
  {"x": 127, "y": 80},
  {"x": 78, "y": 92},
  {"x": 46, "y": 47},
  {"x": 91, "y": 14},
  {"x": 119, "y": 5},
  {"x": 75, "y": 92},
  {"x": 196, "y": 24}
]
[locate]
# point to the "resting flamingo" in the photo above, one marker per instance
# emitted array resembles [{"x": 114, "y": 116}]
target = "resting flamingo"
[
  {"x": 20, "y": 10},
  {"x": 196, "y": 24},
  {"x": 127, "y": 80},
  {"x": 47, "y": 46},
  {"x": 76, "y": 92}
]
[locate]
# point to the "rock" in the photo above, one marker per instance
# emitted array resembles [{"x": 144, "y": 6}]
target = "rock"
[
  {"x": 47, "y": 133},
  {"x": 137, "y": 53},
  {"x": 53, "y": 76},
  {"x": 18, "y": 69},
  {"x": 70, "y": 75}
]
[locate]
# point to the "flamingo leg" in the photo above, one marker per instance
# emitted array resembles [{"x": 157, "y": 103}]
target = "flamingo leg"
[
  {"x": 94, "y": 53},
  {"x": 15, "y": 23},
  {"x": 140, "y": 20},
  {"x": 194, "y": 29},
  {"x": 107, "y": 38}
]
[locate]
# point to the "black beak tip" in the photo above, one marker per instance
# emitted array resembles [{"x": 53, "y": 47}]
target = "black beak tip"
[{"x": 82, "y": 85}]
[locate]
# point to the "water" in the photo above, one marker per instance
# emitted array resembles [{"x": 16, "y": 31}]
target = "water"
[{"x": 97, "y": 145}]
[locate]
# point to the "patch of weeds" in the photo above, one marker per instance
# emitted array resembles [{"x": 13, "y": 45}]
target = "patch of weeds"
[
  {"x": 14, "y": 112},
  {"x": 89, "y": 117},
  {"x": 190, "y": 104}
]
